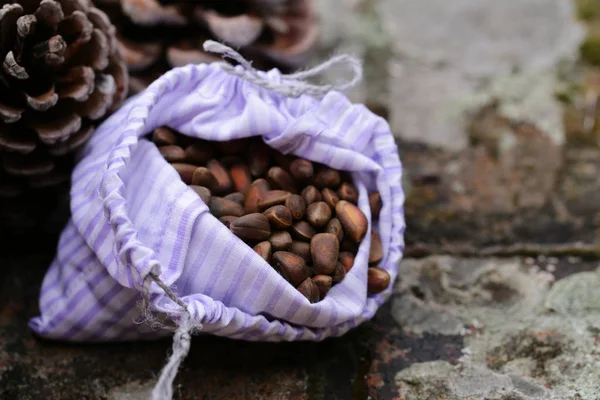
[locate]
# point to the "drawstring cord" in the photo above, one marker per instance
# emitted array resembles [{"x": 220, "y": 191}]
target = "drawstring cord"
[{"x": 291, "y": 85}]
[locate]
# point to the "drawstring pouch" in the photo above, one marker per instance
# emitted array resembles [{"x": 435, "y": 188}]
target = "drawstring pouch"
[{"x": 142, "y": 257}]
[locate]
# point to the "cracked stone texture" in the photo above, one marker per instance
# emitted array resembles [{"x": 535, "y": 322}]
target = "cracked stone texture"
[
  {"x": 525, "y": 335},
  {"x": 438, "y": 378},
  {"x": 496, "y": 184},
  {"x": 512, "y": 185}
]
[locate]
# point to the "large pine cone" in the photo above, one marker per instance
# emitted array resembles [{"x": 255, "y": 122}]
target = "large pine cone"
[
  {"x": 156, "y": 35},
  {"x": 61, "y": 73}
]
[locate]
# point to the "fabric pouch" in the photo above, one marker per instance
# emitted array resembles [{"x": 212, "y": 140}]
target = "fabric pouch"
[{"x": 139, "y": 236}]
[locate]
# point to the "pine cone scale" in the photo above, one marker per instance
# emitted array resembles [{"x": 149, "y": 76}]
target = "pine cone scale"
[
  {"x": 52, "y": 51},
  {"x": 50, "y": 12},
  {"x": 48, "y": 180},
  {"x": 140, "y": 57},
  {"x": 10, "y": 114},
  {"x": 100, "y": 100},
  {"x": 27, "y": 165},
  {"x": 9, "y": 14},
  {"x": 44, "y": 101},
  {"x": 71, "y": 6},
  {"x": 118, "y": 70},
  {"x": 12, "y": 68},
  {"x": 151, "y": 12},
  {"x": 76, "y": 30},
  {"x": 239, "y": 30},
  {"x": 77, "y": 83},
  {"x": 57, "y": 128},
  {"x": 262, "y": 30},
  {"x": 181, "y": 56},
  {"x": 93, "y": 53},
  {"x": 25, "y": 26},
  {"x": 74, "y": 141},
  {"x": 16, "y": 141}
]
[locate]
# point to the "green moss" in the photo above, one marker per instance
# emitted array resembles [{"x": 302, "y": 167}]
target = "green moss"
[
  {"x": 590, "y": 48},
  {"x": 573, "y": 123},
  {"x": 568, "y": 93},
  {"x": 563, "y": 97},
  {"x": 588, "y": 10}
]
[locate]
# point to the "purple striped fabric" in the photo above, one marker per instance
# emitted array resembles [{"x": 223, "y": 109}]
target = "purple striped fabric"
[{"x": 132, "y": 215}]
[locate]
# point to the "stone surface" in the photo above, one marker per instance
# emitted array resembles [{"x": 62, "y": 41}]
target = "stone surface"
[
  {"x": 438, "y": 379},
  {"x": 525, "y": 336},
  {"x": 433, "y": 62},
  {"x": 511, "y": 186}
]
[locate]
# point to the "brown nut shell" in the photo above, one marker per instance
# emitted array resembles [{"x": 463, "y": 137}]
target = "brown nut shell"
[
  {"x": 302, "y": 230},
  {"x": 353, "y": 220},
  {"x": 185, "y": 171},
  {"x": 281, "y": 179},
  {"x": 227, "y": 220},
  {"x": 339, "y": 273},
  {"x": 328, "y": 178},
  {"x": 375, "y": 204},
  {"x": 256, "y": 190},
  {"x": 230, "y": 161},
  {"x": 323, "y": 283},
  {"x": 309, "y": 289},
  {"x": 378, "y": 280},
  {"x": 236, "y": 196},
  {"x": 301, "y": 249},
  {"x": 203, "y": 192},
  {"x": 199, "y": 153},
  {"x": 348, "y": 245},
  {"x": 203, "y": 177},
  {"x": 291, "y": 267},
  {"x": 324, "y": 250},
  {"x": 252, "y": 227},
  {"x": 280, "y": 240},
  {"x": 311, "y": 194},
  {"x": 172, "y": 153},
  {"x": 330, "y": 197},
  {"x": 164, "y": 136},
  {"x": 318, "y": 214},
  {"x": 296, "y": 205},
  {"x": 263, "y": 249},
  {"x": 348, "y": 192},
  {"x": 376, "y": 250},
  {"x": 259, "y": 159},
  {"x": 335, "y": 226},
  {"x": 240, "y": 175},
  {"x": 302, "y": 170},
  {"x": 234, "y": 146},
  {"x": 224, "y": 183},
  {"x": 279, "y": 216},
  {"x": 347, "y": 260},
  {"x": 221, "y": 207},
  {"x": 283, "y": 160},
  {"x": 272, "y": 198}
]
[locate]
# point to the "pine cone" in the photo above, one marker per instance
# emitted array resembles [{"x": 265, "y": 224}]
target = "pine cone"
[
  {"x": 61, "y": 73},
  {"x": 156, "y": 35}
]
